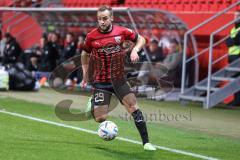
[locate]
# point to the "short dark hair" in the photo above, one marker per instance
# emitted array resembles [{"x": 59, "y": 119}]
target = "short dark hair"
[
  {"x": 104, "y": 8},
  {"x": 8, "y": 35},
  {"x": 71, "y": 34},
  {"x": 82, "y": 35},
  {"x": 154, "y": 41}
]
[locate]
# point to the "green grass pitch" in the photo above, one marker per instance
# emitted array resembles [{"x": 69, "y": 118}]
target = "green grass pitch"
[{"x": 22, "y": 139}]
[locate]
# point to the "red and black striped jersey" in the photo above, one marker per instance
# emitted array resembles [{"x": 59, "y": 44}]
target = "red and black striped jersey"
[{"x": 107, "y": 54}]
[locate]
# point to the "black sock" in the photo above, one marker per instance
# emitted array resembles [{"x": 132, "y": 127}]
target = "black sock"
[{"x": 141, "y": 125}]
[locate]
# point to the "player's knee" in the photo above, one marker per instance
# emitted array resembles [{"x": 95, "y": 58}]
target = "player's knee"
[
  {"x": 132, "y": 101},
  {"x": 101, "y": 118}
]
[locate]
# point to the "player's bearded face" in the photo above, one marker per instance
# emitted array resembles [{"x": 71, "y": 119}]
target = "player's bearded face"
[{"x": 104, "y": 20}]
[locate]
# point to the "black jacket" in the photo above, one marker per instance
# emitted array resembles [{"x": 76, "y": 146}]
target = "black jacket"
[{"x": 12, "y": 52}]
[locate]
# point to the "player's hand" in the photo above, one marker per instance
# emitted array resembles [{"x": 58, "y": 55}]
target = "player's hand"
[
  {"x": 83, "y": 84},
  {"x": 134, "y": 56}
]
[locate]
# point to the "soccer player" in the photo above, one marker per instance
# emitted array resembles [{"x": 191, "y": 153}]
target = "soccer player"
[{"x": 103, "y": 49}]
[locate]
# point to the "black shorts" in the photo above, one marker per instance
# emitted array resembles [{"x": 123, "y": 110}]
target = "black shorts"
[{"x": 103, "y": 92}]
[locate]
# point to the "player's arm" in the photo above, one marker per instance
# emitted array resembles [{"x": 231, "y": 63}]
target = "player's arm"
[
  {"x": 87, "y": 49},
  {"x": 138, "y": 46},
  {"x": 85, "y": 63}
]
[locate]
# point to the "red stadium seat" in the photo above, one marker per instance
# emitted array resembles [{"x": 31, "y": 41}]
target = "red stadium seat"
[
  {"x": 74, "y": 3},
  {"x": 187, "y": 5},
  {"x": 204, "y": 5},
  {"x": 154, "y": 4},
  {"x": 131, "y": 3},
  {"x": 229, "y": 2},
  {"x": 147, "y": 3},
  {"x": 114, "y": 3},
  {"x": 2, "y": 3},
  {"x": 92, "y": 3},
  {"x": 141, "y": 3},
  {"x": 81, "y": 3},
  {"x": 179, "y": 5},
  {"x": 9, "y": 3},
  {"x": 127, "y": 3},
  {"x": 213, "y": 6},
  {"x": 171, "y": 5},
  {"x": 162, "y": 4},
  {"x": 68, "y": 3},
  {"x": 195, "y": 5},
  {"x": 97, "y": 3},
  {"x": 221, "y": 5},
  {"x": 135, "y": 3}
]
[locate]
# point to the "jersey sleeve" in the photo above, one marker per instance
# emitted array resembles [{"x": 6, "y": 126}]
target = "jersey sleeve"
[
  {"x": 87, "y": 46},
  {"x": 130, "y": 35}
]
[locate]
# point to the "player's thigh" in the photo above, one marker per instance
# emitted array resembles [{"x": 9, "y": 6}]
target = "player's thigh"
[
  {"x": 101, "y": 100},
  {"x": 126, "y": 96}
]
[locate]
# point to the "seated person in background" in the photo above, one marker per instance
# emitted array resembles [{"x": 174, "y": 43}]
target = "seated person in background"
[
  {"x": 49, "y": 53},
  {"x": 154, "y": 55},
  {"x": 69, "y": 51},
  {"x": 70, "y": 48},
  {"x": 167, "y": 68},
  {"x": 12, "y": 50},
  {"x": 80, "y": 43},
  {"x": 154, "y": 52},
  {"x": 173, "y": 62},
  {"x": 34, "y": 59}
]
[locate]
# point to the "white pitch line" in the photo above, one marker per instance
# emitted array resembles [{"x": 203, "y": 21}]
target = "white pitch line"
[{"x": 119, "y": 138}]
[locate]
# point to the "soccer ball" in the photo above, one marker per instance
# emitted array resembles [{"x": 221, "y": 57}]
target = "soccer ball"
[{"x": 107, "y": 130}]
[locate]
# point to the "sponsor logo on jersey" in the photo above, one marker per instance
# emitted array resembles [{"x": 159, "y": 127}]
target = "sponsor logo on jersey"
[
  {"x": 118, "y": 39},
  {"x": 110, "y": 49},
  {"x": 97, "y": 44}
]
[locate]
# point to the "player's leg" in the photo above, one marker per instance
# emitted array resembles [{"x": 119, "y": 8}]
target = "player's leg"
[
  {"x": 130, "y": 104},
  {"x": 128, "y": 99},
  {"x": 100, "y": 102},
  {"x": 100, "y": 113}
]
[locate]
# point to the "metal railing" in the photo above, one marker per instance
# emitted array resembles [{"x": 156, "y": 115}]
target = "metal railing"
[
  {"x": 211, "y": 62},
  {"x": 196, "y": 55}
]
